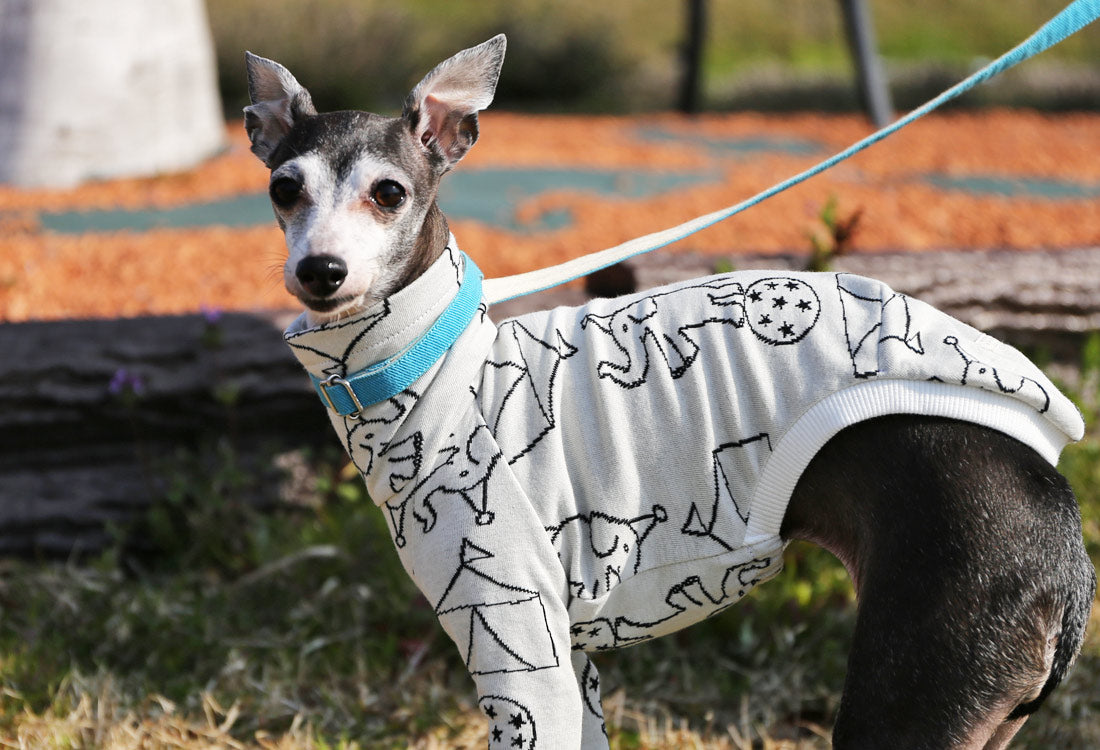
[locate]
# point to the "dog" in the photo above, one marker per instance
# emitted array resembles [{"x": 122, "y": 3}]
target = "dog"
[{"x": 581, "y": 479}]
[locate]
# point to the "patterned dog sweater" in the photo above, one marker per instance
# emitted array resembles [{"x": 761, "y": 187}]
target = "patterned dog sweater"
[{"x": 588, "y": 478}]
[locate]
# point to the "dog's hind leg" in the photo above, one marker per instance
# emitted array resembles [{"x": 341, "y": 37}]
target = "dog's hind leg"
[{"x": 973, "y": 583}]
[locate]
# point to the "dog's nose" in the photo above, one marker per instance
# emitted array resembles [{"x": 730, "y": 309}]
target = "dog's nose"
[{"x": 321, "y": 275}]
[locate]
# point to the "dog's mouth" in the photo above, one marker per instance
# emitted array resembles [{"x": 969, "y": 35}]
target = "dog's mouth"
[{"x": 330, "y": 305}]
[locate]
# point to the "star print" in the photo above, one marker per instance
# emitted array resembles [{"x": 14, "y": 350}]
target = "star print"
[
  {"x": 779, "y": 302},
  {"x": 594, "y": 683},
  {"x": 490, "y": 712},
  {"x": 786, "y": 329},
  {"x": 772, "y": 285},
  {"x": 497, "y": 734},
  {"x": 792, "y": 285},
  {"x": 755, "y": 296},
  {"x": 516, "y": 721},
  {"x": 765, "y": 321},
  {"x": 517, "y": 741},
  {"x": 594, "y": 632},
  {"x": 804, "y": 305}
]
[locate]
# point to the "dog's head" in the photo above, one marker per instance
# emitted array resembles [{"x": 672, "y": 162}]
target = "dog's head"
[{"x": 355, "y": 192}]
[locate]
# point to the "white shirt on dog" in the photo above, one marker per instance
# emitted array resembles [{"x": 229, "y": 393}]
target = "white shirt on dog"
[{"x": 583, "y": 479}]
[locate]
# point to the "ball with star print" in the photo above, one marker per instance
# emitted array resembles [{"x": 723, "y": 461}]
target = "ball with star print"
[
  {"x": 510, "y": 723},
  {"x": 781, "y": 310}
]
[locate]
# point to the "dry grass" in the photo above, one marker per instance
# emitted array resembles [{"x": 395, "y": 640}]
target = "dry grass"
[{"x": 101, "y": 722}]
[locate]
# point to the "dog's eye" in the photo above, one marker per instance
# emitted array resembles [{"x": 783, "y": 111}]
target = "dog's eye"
[
  {"x": 285, "y": 192},
  {"x": 388, "y": 194}
]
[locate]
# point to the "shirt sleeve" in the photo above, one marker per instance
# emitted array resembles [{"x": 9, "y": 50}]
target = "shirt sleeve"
[{"x": 482, "y": 558}]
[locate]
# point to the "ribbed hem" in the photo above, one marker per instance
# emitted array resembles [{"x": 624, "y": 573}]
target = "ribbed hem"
[{"x": 864, "y": 401}]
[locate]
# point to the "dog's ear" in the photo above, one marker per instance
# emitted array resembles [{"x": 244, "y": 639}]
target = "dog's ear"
[
  {"x": 277, "y": 101},
  {"x": 442, "y": 109}
]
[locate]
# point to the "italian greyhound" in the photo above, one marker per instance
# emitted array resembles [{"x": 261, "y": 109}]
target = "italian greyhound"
[{"x": 580, "y": 479}]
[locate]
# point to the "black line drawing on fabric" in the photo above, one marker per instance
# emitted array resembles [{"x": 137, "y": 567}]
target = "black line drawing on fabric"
[
  {"x": 464, "y": 471},
  {"x": 870, "y": 320},
  {"x": 456, "y": 264},
  {"x": 406, "y": 457},
  {"x": 366, "y": 437},
  {"x": 505, "y": 626},
  {"x": 781, "y": 310},
  {"x": 532, "y": 389},
  {"x": 738, "y": 581},
  {"x": 778, "y": 311},
  {"x": 732, "y": 462},
  {"x": 339, "y": 360},
  {"x": 615, "y": 543},
  {"x": 594, "y": 635},
  {"x": 685, "y": 599},
  {"x": 510, "y": 723},
  {"x": 590, "y": 691},
  {"x": 978, "y": 373}
]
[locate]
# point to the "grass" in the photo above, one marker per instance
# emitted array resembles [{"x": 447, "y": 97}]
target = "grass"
[{"x": 298, "y": 629}]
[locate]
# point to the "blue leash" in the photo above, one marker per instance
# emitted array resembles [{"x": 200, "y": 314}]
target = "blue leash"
[
  {"x": 384, "y": 380},
  {"x": 1070, "y": 20}
]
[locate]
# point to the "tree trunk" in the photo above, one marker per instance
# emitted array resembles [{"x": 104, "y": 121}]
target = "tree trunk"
[{"x": 96, "y": 89}]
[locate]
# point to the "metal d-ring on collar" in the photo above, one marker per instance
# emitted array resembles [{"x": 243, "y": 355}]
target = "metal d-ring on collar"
[{"x": 350, "y": 395}]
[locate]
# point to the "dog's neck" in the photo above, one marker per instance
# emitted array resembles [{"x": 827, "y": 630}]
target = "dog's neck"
[
  {"x": 388, "y": 331},
  {"x": 430, "y": 244}
]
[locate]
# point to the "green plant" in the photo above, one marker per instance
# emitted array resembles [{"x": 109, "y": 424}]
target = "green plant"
[
  {"x": 1081, "y": 461},
  {"x": 723, "y": 265},
  {"x": 833, "y": 237},
  {"x": 201, "y": 516}
]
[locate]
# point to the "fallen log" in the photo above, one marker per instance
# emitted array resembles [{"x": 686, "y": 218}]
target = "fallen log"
[{"x": 89, "y": 410}]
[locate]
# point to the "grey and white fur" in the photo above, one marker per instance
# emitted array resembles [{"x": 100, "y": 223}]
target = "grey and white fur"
[{"x": 963, "y": 543}]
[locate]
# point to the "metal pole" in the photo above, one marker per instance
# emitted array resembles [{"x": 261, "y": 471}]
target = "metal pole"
[
  {"x": 693, "y": 56},
  {"x": 871, "y": 78}
]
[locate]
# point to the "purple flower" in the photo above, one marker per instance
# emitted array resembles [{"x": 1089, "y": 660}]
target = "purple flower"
[
  {"x": 125, "y": 382},
  {"x": 212, "y": 315}
]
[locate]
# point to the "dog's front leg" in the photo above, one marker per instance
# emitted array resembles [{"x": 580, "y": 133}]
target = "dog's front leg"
[
  {"x": 499, "y": 590},
  {"x": 504, "y": 612},
  {"x": 550, "y": 719}
]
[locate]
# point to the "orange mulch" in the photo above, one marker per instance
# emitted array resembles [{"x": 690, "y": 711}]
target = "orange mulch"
[{"x": 45, "y": 275}]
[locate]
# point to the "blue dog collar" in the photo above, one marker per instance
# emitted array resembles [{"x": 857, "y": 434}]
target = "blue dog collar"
[{"x": 349, "y": 396}]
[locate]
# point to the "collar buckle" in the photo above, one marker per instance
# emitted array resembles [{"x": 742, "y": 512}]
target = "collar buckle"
[{"x": 334, "y": 381}]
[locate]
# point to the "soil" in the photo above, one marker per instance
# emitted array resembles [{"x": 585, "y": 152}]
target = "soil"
[{"x": 1016, "y": 180}]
